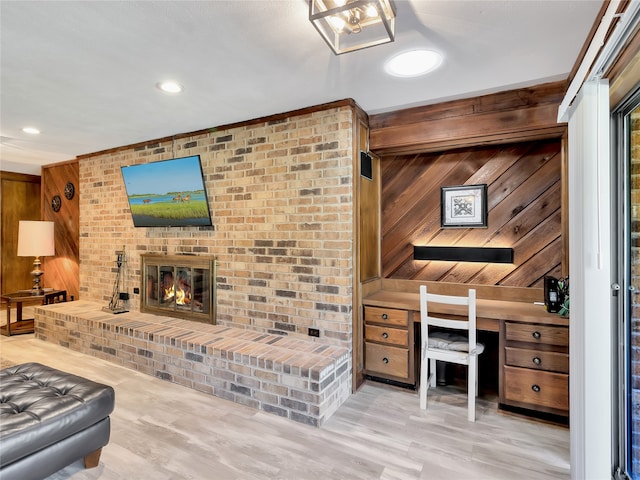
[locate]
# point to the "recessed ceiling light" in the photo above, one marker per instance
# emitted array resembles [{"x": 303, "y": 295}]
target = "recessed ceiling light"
[
  {"x": 170, "y": 86},
  {"x": 31, "y": 130},
  {"x": 413, "y": 63}
]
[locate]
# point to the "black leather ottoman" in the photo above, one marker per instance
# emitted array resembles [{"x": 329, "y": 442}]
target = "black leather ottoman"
[{"x": 49, "y": 419}]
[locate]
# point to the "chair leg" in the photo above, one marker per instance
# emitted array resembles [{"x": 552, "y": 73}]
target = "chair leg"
[
  {"x": 424, "y": 382},
  {"x": 432, "y": 372},
  {"x": 471, "y": 388}
]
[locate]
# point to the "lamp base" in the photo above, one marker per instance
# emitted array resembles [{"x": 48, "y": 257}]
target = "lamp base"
[{"x": 36, "y": 274}]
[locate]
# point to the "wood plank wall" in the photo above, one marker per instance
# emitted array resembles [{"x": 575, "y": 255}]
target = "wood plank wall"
[
  {"x": 20, "y": 201},
  {"x": 524, "y": 202},
  {"x": 63, "y": 270},
  {"x": 510, "y": 140},
  {"x": 506, "y": 117}
]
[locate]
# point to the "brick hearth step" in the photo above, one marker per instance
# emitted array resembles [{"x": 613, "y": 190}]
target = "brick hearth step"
[{"x": 300, "y": 379}]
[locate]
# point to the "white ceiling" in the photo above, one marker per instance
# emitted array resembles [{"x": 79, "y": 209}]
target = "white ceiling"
[{"x": 84, "y": 72}]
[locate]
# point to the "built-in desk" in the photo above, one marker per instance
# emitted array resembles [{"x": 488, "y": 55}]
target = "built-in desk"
[{"x": 533, "y": 346}]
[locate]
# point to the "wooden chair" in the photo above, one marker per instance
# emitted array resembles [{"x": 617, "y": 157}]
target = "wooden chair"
[
  {"x": 54, "y": 297},
  {"x": 450, "y": 345}
]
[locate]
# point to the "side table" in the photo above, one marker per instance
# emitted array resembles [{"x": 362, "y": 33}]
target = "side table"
[{"x": 22, "y": 325}]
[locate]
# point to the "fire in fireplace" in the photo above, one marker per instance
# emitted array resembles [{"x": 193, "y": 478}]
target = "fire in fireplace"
[{"x": 179, "y": 285}]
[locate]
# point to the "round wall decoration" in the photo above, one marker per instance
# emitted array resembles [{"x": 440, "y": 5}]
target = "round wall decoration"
[
  {"x": 69, "y": 190},
  {"x": 56, "y": 203}
]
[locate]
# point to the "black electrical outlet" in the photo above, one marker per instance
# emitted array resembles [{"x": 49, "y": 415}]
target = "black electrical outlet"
[
  {"x": 314, "y": 332},
  {"x": 136, "y": 290}
]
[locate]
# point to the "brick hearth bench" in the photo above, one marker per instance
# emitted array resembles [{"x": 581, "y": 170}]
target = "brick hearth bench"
[
  {"x": 300, "y": 379},
  {"x": 49, "y": 419}
]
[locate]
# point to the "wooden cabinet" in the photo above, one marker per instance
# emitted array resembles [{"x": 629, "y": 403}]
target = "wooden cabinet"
[
  {"x": 535, "y": 367},
  {"x": 389, "y": 344}
]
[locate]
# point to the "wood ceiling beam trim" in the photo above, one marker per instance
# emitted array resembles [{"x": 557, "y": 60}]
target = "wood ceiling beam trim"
[
  {"x": 481, "y": 129},
  {"x": 505, "y": 117}
]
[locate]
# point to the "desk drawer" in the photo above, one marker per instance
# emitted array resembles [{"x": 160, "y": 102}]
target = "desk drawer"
[
  {"x": 386, "y": 316},
  {"x": 386, "y": 361},
  {"x": 540, "y": 334},
  {"x": 544, "y": 389},
  {"x": 392, "y": 336},
  {"x": 536, "y": 359}
]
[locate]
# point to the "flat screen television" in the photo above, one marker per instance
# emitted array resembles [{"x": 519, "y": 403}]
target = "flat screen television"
[{"x": 168, "y": 193}]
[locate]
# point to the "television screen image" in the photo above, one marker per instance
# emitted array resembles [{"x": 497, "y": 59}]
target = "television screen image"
[{"x": 168, "y": 193}]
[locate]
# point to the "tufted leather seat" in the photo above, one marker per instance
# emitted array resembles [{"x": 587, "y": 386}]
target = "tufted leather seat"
[{"x": 48, "y": 419}]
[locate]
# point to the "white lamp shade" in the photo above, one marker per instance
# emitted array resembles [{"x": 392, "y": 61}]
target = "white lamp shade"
[{"x": 35, "y": 239}]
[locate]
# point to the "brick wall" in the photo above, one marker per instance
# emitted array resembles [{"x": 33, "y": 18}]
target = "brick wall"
[{"x": 281, "y": 198}]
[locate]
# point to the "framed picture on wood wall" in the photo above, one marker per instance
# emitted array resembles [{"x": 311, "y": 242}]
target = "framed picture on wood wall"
[{"x": 464, "y": 206}]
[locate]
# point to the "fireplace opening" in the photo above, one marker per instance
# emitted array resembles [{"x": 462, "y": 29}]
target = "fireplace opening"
[{"x": 179, "y": 285}]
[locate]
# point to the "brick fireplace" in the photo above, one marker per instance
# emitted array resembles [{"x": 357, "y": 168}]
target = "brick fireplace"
[
  {"x": 281, "y": 199},
  {"x": 180, "y": 286},
  {"x": 281, "y": 195}
]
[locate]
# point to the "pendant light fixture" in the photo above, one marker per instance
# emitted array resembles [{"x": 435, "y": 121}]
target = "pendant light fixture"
[{"x": 349, "y": 25}]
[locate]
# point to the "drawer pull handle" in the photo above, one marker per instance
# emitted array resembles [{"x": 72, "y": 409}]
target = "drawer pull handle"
[
  {"x": 385, "y": 360},
  {"x": 537, "y": 360},
  {"x": 385, "y": 316},
  {"x": 536, "y": 335},
  {"x": 535, "y": 388},
  {"x": 385, "y": 335}
]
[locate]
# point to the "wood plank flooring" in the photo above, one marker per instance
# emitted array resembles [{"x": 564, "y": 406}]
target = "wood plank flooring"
[{"x": 163, "y": 431}]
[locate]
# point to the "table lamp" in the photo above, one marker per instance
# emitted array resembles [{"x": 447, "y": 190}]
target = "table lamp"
[{"x": 35, "y": 239}]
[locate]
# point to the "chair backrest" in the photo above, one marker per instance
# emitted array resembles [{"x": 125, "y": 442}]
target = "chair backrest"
[
  {"x": 444, "y": 320},
  {"x": 54, "y": 297}
]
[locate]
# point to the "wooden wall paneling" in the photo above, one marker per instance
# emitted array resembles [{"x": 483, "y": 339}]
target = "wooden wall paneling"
[
  {"x": 492, "y": 128},
  {"x": 422, "y": 224},
  {"x": 526, "y": 218},
  {"x": 535, "y": 161},
  {"x": 506, "y": 117},
  {"x": 549, "y": 256},
  {"x": 547, "y": 93},
  {"x": 425, "y": 218},
  {"x": 416, "y": 199},
  {"x": 62, "y": 270},
  {"x": 564, "y": 202},
  {"x": 20, "y": 200},
  {"x": 522, "y": 191},
  {"x": 525, "y": 250},
  {"x": 524, "y": 194},
  {"x": 517, "y": 233},
  {"x": 499, "y": 188},
  {"x": 369, "y": 220},
  {"x": 366, "y": 228}
]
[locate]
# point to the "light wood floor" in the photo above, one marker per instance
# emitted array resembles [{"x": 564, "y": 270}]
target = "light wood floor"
[{"x": 164, "y": 431}]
